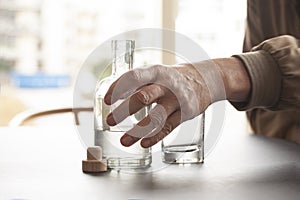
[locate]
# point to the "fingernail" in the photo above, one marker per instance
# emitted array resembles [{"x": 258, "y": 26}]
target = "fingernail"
[
  {"x": 126, "y": 141},
  {"x": 110, "y": 120},
  {"x": 146, "y": 143},
  {"x": 107, "y": 99}
]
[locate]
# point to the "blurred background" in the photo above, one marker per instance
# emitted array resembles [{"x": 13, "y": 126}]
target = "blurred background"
[{"x": 43, "y": 43}]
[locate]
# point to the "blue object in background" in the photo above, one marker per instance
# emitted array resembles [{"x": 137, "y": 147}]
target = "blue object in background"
[{"x": 40, "y": 80}]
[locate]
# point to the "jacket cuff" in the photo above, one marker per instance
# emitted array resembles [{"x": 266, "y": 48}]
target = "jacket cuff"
[{"x": 265, "y": 78}]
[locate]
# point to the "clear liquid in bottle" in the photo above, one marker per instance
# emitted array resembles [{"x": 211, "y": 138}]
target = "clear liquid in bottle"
[{"x": 108, "y": 137}]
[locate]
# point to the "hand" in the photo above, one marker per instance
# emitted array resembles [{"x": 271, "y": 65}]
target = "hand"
[{"x": 179, "y": 92}]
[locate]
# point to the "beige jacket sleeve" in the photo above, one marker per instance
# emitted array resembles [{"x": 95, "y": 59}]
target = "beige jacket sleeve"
[{"x": 274, "y": 70}]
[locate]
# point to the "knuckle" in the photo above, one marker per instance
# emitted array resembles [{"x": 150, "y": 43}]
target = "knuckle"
[
  {"x": 167, "y": 128},
  {"x": 159, "y": 70},
  {"x": 143, "y": 98},
  {"x": 156, "y": 67},
  {"x": 156, "y": 120},
  {"x": 158, "y": 117},
  {"x": 135, "y": 74}
]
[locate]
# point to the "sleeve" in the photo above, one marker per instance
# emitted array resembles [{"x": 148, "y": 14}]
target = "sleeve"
[{"x": 274, "y": 70}]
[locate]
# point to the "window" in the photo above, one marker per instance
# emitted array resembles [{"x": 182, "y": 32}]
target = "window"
[{"x": 53, "y": 38}]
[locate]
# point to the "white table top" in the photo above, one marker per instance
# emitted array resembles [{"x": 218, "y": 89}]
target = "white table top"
[{"x": 45, "y": 163}]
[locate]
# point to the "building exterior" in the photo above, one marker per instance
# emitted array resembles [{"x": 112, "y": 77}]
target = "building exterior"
[
  {"x": 55, "y": 37},
  {"x": 45, "y": 36}
]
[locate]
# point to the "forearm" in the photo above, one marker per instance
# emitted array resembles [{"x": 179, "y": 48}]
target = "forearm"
[
  {"x": 235, "y": 78},
  {"x": 224, "y": 78}
]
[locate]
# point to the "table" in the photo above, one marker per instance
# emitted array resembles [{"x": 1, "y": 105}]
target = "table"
[{"x": 45, "y": 163}]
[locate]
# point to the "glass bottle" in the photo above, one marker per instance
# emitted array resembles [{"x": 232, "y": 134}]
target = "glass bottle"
[{"x": 108, "y": 137}]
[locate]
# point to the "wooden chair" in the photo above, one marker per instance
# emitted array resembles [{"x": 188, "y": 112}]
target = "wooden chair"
[{"x": 23, "y": 117}]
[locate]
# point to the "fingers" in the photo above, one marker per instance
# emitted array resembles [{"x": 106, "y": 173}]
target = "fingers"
[
  {"x": 155, "y": 121},
  {"x": 146, "y": 96},
  {"x": 171, "y": 123},
  {"x": 128, "y": 83},
  {"x": 156, "y": 84}
]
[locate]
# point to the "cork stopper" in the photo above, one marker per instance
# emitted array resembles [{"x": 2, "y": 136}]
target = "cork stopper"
[
  {"x": 94, "y": 162},
  {"x": 94, "y": 153}
]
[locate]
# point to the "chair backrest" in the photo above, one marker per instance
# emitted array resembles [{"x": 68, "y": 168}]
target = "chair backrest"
[{"x": 27, "y": 115}]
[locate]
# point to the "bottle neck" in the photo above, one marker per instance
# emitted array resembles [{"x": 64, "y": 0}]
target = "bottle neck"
[{"x": 122, "y": 53}]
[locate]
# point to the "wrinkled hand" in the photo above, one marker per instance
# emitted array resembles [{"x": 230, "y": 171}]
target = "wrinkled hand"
[{"x": 180, "y": 94}]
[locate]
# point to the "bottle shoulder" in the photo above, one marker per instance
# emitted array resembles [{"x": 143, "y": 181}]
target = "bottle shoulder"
[{"x": 103, "y": 85}]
